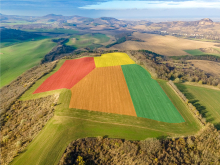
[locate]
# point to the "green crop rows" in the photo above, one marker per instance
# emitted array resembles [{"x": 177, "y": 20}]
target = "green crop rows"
[{"x": 149, "y": 99}]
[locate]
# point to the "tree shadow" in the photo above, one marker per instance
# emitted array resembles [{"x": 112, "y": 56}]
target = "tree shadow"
[
  {"x": 184, "y": 90},
  {"x": 201, "y": 108},
  {"x": 217, "y": 126},
  {"x": 210, "y": 119}
]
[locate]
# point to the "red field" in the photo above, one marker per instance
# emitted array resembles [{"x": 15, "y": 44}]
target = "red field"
[{"x": 70, "y": 73}]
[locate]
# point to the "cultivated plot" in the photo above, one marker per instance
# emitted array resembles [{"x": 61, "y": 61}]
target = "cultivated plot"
[
  {"x": 104, "y": 90},
  {"x": 70, "y": 73},
  {"x": 18, "y": 58},
  {"x": 149, "y": 99},
  {"x": 113, "y": 59},
  {"x": 206, "y": 101}
]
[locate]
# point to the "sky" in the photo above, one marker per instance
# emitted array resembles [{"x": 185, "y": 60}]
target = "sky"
[{"x": 121, "y": 9}]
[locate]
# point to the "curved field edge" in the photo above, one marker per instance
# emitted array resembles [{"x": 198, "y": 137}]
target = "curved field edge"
[
  {"x": 17, "y": 59},
  {"x": 70, "y": 124}
]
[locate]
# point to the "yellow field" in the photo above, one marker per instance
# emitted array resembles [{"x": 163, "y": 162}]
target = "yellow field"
[{"x": 113, "y": 59}]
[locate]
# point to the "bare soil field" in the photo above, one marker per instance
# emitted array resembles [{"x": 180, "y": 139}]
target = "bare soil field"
[
  {"x": 164, "y": 45},
  {"x": 103, "y": 90},
  {"x": 207, "y": 66}
]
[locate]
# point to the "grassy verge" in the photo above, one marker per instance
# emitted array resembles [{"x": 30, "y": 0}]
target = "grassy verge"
[{"x": 19, "y": 58}]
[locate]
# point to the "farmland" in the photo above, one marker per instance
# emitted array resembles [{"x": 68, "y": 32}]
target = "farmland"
[
  {"x": 195, "y": 52},
  {"x": 113, "y": 59},
  {"x": 70, "y": 124},
  {"x": 210, "y": 67},
  {"x": 87, "y": 40},
  {"x": 56, "y": 30},
  {"x": 100, "y": 87},
  {"x": 104, "y": 90},
  {"x": 71, "y": 72},
  {"x": 164, "y": 45},
  {"x": 18, "y": 58},
  {"x": 148, "y": 98},
  {"x": 112, "y": 89},
  {"x": 206, "y": 100}
]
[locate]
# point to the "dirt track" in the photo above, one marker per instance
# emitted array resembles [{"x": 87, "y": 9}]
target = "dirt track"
[{"x": 104, "y": 90}]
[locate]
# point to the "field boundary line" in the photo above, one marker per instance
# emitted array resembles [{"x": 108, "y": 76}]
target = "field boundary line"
[
  {"x": 119, "y": 124},
  {"x": 202, "y": 86}
]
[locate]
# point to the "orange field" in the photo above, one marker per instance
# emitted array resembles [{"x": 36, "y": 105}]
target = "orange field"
[{"x": 104, "y": 90}]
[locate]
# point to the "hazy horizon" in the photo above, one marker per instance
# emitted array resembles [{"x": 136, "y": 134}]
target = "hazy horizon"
[{"x": 126, "y": 9}]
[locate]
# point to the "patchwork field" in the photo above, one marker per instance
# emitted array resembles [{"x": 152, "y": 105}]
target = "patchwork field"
[
  {"x": 164, "y": 45},
  {"x": 113, "y": 59},
  {"x": 206, "y": 100},
  {"x": 104, "y": 90},
  {"x": 71, "y": 72},
  {"x": 107, "y": 84},
  {"x": 149, "y": 100},
  {"x": 18, "y": 58}
]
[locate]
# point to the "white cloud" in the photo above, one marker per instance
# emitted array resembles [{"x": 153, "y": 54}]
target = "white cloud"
[{"x": 118, "y": 5}]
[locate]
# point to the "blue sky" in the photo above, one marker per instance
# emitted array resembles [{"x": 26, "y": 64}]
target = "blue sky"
[{"x": 133, "y": 9}]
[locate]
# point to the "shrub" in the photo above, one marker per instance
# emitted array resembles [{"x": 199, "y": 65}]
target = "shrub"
[
  {"x": 18, "y": 144},
  {"x": 80, "y": 160},
  {"x": 150, "y": 146},
  {"x": 5, "y": 139}
]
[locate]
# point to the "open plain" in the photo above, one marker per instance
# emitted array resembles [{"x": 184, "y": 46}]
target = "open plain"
[{"x": 164, "y": 45}]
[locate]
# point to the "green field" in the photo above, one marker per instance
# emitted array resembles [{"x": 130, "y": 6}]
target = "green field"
[
  {"x": 148, "y": 98},
  {"x": 70, "y": 124},
  {"x": 14, "y": 41},
  {"x": 207, "y": 101},
  {"x": 195, "y": 52},
  {"x": 18, "y": 58},
  {"x": 55, "y": 30},
  {"x": 88, "y": 40}
]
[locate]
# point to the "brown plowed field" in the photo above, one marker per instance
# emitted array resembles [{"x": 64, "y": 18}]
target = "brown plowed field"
[{"x": 104, "y": 90}]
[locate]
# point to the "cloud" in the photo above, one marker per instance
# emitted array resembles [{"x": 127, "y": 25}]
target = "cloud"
[{"x": 119, "y": 5}]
